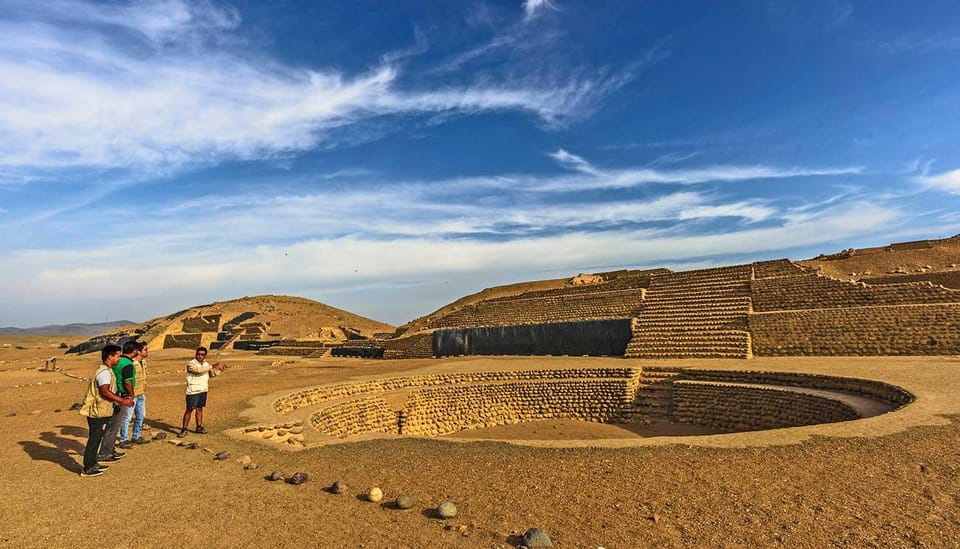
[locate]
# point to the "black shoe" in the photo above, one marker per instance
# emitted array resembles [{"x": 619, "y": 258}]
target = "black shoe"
[
  {"x": 201, "y": 430},
  {"x": 126, "y": 445},
  {"x": 118, "y": 454},
  {"x": 91, "y": 472},
  {"x": 111, "y": 458},
  {"x": 182, "y": 433},
  {"x": 141, "y": 441},
  {"x": 103, "y": 466}
]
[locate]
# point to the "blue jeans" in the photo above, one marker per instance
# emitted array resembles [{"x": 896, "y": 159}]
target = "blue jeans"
[{"x": 139, "y": 409}]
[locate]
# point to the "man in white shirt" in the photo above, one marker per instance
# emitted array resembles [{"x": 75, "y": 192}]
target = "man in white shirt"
[{"x": 199, "y": 372}]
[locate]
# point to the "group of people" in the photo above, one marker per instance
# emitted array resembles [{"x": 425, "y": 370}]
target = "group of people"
[{"x": 116, "y": 395}]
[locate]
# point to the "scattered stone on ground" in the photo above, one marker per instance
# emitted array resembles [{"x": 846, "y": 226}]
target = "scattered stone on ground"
[
  {"x": 160, "y": 436},
  {"x": 251, "y": 467},
  {"x": 11, "y": 414},
  {"x": 404, "y": 502},
  {"x": 245, "y": 460},
  {"x": 75, "y": 406},
  {"x": 193, "y": 446},
  {"x": 338, "y": 487},
  {"x": 446, "y": 510},
  {"x": 275, "y": 476},
  {"x": 298, "y": 478},
  {"x": 374, "y": 494},
  {"x": 222, "y": 456},
  {"x": 536, "y": 537},
  {"x": 57, "y": 410}
]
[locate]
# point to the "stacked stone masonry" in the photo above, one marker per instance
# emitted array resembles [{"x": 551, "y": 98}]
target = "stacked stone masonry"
[
  {"x": 201, "y": 324},
  {"x": 950, "y": 279},
  {"x": 695, "y": 314},
  {"x": 415, "y": 346},
  {"x": 893, "y": 330},
  {"x": 432, "y": 405},
  {"x": 820, "y": 292},
  {"x": 523, "y": 310}
]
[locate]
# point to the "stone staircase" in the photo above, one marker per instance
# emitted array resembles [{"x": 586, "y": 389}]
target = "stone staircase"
[
  {"x": 653, "y": 398},
  {"x": 694, "y": 314}
]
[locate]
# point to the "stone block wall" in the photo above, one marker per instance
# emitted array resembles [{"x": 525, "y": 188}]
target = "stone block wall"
[
  {"x": 739, "y": 408},
  {"x": 893, "y": 330},
  {"x": 444, "y": 410},
  {"x": 356, "y": 417},
  {"x": 201, "y": 324},
  {"x": 182, "y": 341},
  {"x": 776, "y": 268},
  {"x": 415, "y": 346},
  {"x": 523, "y": 310},
  {"x": 820, "y": 292}
]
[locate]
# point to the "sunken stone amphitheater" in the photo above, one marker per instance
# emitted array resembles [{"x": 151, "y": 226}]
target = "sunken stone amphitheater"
[{"x": 442, "y": 404}]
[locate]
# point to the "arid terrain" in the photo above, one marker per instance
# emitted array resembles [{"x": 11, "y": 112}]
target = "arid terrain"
[{"x": 887, "y": 481}]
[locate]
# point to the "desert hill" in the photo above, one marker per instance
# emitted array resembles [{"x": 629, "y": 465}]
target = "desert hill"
[
  {"x": 75, "y": 329},
  {"x": 247, "y": 319},
  {"x": 937, "y": 261}
]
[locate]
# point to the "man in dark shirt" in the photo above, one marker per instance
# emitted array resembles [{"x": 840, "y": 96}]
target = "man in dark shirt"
[{"x": 124, "y": 373}]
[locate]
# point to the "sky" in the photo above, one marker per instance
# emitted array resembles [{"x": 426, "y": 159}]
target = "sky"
[{"x": 390, "y": 157}]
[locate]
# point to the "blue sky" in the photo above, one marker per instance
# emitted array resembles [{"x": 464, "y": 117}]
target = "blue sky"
[{"x": 389, "y": 157}]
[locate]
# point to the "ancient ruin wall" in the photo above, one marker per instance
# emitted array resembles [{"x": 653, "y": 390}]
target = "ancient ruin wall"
[
  {"x": 521, "y": 310},
  {"x": 182, "y": 341},
  {"x": 949, "y": 279},
  {"x": 201, "y": 324},
  {"x": 874, "y": 331},
  {"x": 415, "y": 346},
  {"x": 356, "y": 417},
  {"x": 742, "y": 408},
  {"x": 819, "y": 292},
  {"x": 777, "y": 268}
]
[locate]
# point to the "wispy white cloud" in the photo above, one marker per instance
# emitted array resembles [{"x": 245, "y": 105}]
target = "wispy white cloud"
[
  {"x": 573, "y": 162},
  {"x": 533, "y": 8},
  {"x": 946, "y": 181},
  {"x": 76, "y": 96}
]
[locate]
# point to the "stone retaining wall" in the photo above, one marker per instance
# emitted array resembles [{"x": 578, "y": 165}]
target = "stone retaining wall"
[
  {"x": 739, "y": 408},
  {"x": 820, "y": 292},
  {"x": 182, "y": 341},
  {"x": 949, "y": 279},
  {"x": 201, "y": 324},
  {"x": 356, "y": 417},
  {"x": 894, "y": 330},
  {"x": 415, "y": 346},
  {"x": 523, "y": 310}
]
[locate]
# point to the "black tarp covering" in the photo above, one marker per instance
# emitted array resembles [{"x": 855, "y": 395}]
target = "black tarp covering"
[
  {"x": 589, "y": 337},
  {"x": 358, "y": 352}
]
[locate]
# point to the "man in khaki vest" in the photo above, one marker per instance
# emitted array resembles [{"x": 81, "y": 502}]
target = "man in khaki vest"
[{"x": 98, "y": 408}]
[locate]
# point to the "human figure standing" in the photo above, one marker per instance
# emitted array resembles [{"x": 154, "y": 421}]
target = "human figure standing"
[
  {"x": 98, "y": 407},
  {"x": 199, "y": 372},
  {"x": 139, "y": 409},
  {"x": 125, "y": 376}
]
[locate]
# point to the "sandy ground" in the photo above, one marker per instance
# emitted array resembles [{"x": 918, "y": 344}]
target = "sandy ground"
[{"x": 887, "y": 481}]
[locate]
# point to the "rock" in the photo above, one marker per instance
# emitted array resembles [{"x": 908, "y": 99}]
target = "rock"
[
  {"x": 11, "y": 414},
  {"x": 245, "y": 460},
  {"x": 446, "y": 510},
  {"x": 251, "y": 467},
  {"x": 374, "y": 494},
  {"x": 75, "y": 406},
  {"x": 193, "y": 446},
  {"x": 222, "y": 456},
  {"x": 536, "y": 537},
  {"x": 160, "y": 436},
  {"x": 57, "y": 410},
  {"x": 404, "y": 502},
  {"x": 298, "y": 478},
  {"x": 338, "y": 487},
  {"x": 275, "y": 476}
]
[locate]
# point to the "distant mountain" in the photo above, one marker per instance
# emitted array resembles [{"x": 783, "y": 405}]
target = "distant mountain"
[{"x": 77, "y": 329}]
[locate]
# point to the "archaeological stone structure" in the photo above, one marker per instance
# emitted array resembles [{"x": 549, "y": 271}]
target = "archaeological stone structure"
[
  {"x": 441, "y": 404},
  {"x": 766, "y": 308}
]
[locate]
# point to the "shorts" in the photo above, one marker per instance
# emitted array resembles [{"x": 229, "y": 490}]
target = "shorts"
[{"x": 198, "y": 400}]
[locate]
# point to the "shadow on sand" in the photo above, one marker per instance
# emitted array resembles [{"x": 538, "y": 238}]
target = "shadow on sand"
[{"x": 57, "y": 448}]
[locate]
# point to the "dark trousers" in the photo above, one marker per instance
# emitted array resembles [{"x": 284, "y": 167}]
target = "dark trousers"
[
  {"x": 98, "y": 426},
  {"x": 110, "y": 435}
]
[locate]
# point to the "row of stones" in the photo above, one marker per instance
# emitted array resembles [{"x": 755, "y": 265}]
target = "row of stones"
[
  {"x": 865, "y": 387},
  {"x": 620, "y": 304},
  {"x": 751, "y": 408},
  {"x": 776, "y": 268},
  {"x": 317, "y": 395},
  {"x": 819, "y": 292},
  {"x": 355, "y": 417},
  {"x": 896, "y": 330},
  {"x": 290, "y": 433},
  {"x": 439, "y": 411},
  {"x": 949, "y": 279}
]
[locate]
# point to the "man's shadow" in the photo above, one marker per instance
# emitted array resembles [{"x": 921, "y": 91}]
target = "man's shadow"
[
  {"x": 56, "y": 448},
  {"x": 161, "y": 425}
]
